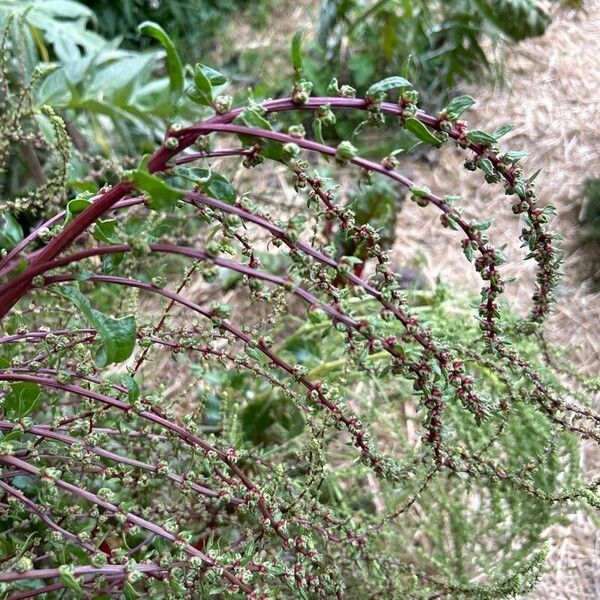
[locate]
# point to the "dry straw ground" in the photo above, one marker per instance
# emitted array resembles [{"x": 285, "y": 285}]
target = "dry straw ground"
[{"x": 552, "y": 97}]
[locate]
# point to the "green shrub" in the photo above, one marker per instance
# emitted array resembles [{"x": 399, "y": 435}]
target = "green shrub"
[{"x": 437, "y": 45}]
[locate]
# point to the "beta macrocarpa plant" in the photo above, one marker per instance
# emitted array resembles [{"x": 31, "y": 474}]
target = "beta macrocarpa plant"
[{"x": 423, "y": 454}]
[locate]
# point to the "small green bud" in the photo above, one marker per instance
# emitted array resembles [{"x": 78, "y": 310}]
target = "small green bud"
[
  {"x": 222, "y": 103},
  {"x": 171, "y": 143},
  {"x": 291, "y": 150},
  {"x": 345, "y": 151}
]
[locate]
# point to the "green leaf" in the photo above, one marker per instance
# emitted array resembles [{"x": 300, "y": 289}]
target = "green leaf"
[
  {"x": 76, "y": 206},
  {"x": 206, "y": 80},
  {"x": 515, "y": 155},
  {"x": 202, "y": 93},
  {"x": 162, "y": 195},
  {"x": 118, "y": 335},
  {"x": 481, "y": 137},
  {"x": 386, "y": 85},
  {"x": 482, "y": 225},
  {"x": 215, "y": 77},
  {"x": 297, "y": 50},
  {"x": 216, "y": 186},
  {"x": 133, "y": 389},
  {"x": 318, "y": 131},
  {"x": 252, "y": 116},
  {"x": 486, "y": 166},
  {"x": 67, "y": 578},
  {"x": 11, "y": 232},
  {"x": 421, "y": 132},
  {"x": 129, "y": 591},
  {"x": 12, "y": 436},
  {"x": 502, "y": 131},
  {"x": 458, "y": 105},
  {"x": 253, "y": 353},
  {"x": 23, "y": 399},
  {"x": 176, "y": 75}
]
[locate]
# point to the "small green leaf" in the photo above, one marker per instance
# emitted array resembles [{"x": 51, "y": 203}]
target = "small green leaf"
[
  {"x": 420, "y": 192},
  {"x": 481, "y": 137},
  {"x": 458, "y": 105},
  {"x": 502, "y": 131},
  {"x": 252, "y": 116},
  {"x": 421, "y": 132},
  {"x": 11, "y": 232},
  {"x": 482, "y": 225},
  {"x": 386, "y": 85},
  {"x": 23, "y": 399},
  {"x": 202, "y": 82},
  {"x": 67, "y": 578},
  {"x": 133, "y": 389},
  {"x": 297, "y": 50},
  {"x": 176, "y": 74},
  {"x": 469, "y": 253},
  {"x": 515, "y": 156},
  {"x": 215, "y": 77},
  {"x": 253, "y": 353},
  {"x": 216, "y": 186},
  {"x": 162, "y": 195},
  {"x": 76, "y": 206},
  {"x": 129, "y": 591},
  {"x": 486, "y": 166},
  {"x": 13, "y": 436},
  {"x": 318, "y": 131},
  {"x": 118, "y": 335}
]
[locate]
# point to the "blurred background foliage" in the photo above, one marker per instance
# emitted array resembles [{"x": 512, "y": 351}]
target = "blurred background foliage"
[
  {"x": 193, "y": 24},
  {"x": 89, "y": 63},
  {"x": 436, "y": 44}
]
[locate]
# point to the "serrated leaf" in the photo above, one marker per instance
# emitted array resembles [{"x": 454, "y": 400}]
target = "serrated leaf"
[
  {"x": 486, "y": 166},
  {"x": 458, "y": 105},
  {"x": 421, "y": 132},
  {"x": 481, "y": 137},
  {"x": 502, "y": 131},
  {"x": 515, "y": 155},
  {"x": 386, "y": 85},
  {"x": 118, "y": 334}
]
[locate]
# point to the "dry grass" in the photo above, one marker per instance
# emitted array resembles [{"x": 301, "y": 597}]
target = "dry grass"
[{"x": 552, "y": 97}]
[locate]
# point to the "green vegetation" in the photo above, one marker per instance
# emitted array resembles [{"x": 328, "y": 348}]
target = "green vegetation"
[{"x": 213, "y": 382}]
